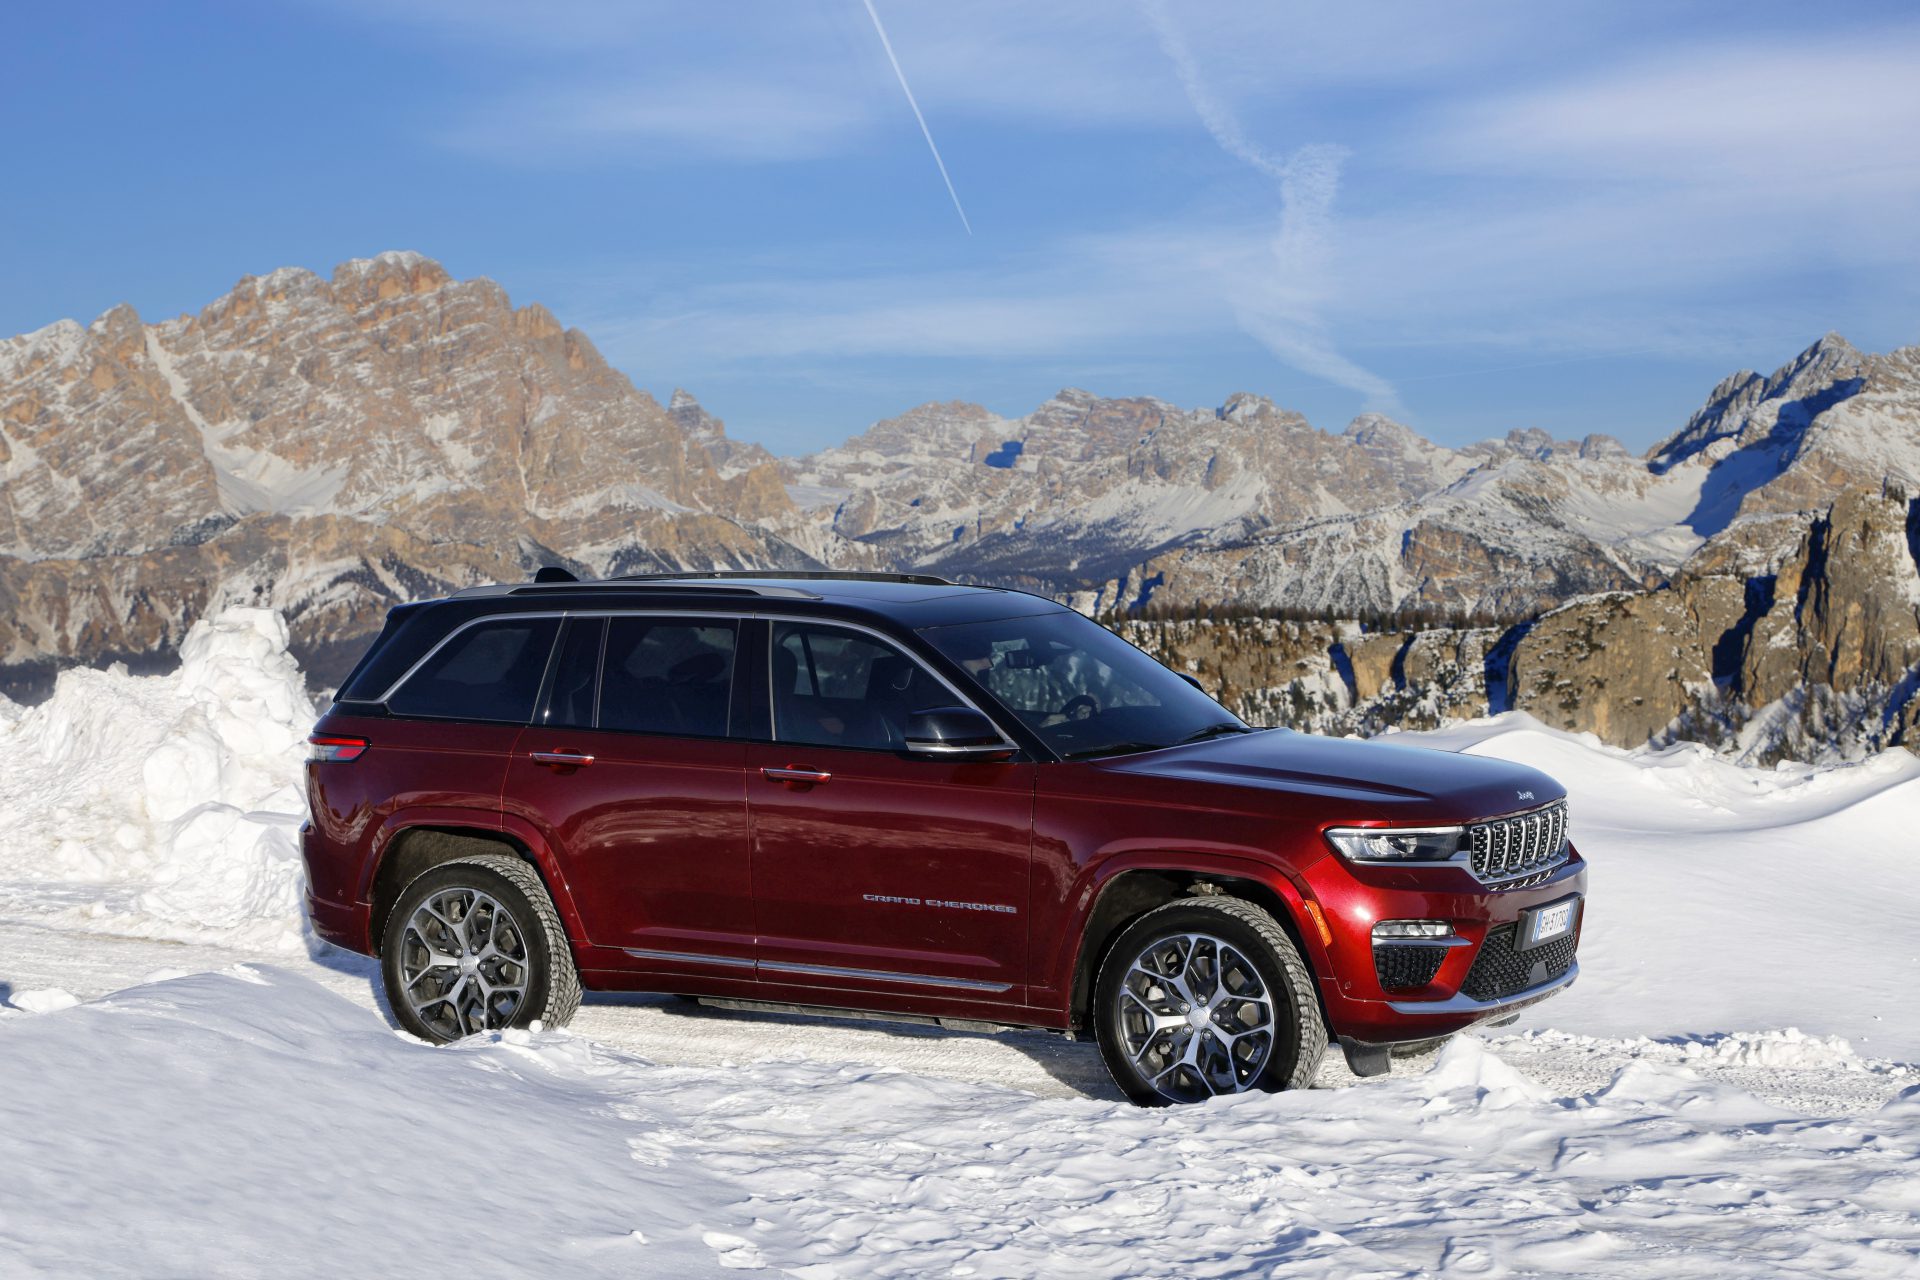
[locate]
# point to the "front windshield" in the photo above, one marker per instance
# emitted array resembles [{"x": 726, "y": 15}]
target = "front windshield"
[{"x": 1081, "y": 688}]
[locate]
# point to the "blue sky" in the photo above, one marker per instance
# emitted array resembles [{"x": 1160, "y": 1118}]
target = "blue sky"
[{"x": 1471, "y": 216}]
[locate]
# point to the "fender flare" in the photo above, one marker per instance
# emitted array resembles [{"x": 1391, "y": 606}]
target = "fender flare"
[
  {"x": 480, "y": 822},
  {"x": 1072, "y": 951}
]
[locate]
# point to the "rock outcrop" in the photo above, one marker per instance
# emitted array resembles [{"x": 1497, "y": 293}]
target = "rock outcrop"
[{"x": 331, "y": 446}]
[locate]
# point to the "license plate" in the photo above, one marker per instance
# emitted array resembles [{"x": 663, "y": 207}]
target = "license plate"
[{"x": 1545, "y": 924}]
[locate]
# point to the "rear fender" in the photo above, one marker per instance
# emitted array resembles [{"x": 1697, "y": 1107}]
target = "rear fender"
[{"x": 526, "y": 837}]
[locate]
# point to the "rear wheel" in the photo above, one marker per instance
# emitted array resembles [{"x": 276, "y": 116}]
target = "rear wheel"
[
  {"x": 476, "y": 945},
  {"x": 1206, "y": 996}
]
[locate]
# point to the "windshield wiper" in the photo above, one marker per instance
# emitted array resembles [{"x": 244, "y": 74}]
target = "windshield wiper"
[
  {"x": 1214, "y": 731},
  {"x": 1114, "y": 749}
]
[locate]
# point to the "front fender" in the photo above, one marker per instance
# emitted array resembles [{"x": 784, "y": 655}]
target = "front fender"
[{"x": 1062, "y": 965}]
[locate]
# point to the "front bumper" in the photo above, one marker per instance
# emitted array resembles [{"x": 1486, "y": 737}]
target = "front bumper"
[
  {"x": 1363, "y": 1012},
  {"x": 1460, "y": 1003}
]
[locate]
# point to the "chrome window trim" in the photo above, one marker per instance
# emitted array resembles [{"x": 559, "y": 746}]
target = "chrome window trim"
[
  {"x": 470, "y": 623},
  {"x": 600, "y": 674},
  {"x": 891, "y": 642},
  {"x": 562, "y": 614},
  {"x": 447, "y": 639},
  {"x": 881, "y": 975}
]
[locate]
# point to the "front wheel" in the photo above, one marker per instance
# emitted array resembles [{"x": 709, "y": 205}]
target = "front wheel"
[
  {"x": 1206, "y": 996},
  {"x": 476, "y": 945}
]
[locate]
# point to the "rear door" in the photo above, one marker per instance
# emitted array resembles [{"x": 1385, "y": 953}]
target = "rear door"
[
  {"x": 452, "y": 721},
  {"x": 874, "y": 870},
  {"x": 630, "y": 772}
]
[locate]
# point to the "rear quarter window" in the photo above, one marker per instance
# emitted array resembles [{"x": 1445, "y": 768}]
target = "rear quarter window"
[{"x": 490, "y": 671}]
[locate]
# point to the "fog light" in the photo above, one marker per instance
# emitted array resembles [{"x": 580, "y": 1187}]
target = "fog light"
[{"x": 1411, "y": 930}]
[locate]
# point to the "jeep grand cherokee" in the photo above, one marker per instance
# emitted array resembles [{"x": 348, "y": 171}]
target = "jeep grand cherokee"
[{"x": 897, "y": 795}]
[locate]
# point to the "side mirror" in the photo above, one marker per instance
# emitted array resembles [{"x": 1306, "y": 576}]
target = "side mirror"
[
  {"x": 1192, "y": 680},
  {"x": 955, "y": 733}
]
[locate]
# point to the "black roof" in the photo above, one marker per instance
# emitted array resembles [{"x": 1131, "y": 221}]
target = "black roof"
[
  {"x": 901, "y": 597},
  {"x": 892, "y": 602}
]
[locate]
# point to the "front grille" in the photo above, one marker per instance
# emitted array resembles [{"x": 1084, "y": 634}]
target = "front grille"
[
  {"x": 1525, "y": 848},
  {"x": 1499, "y": 971},
  {"x": 1404, "y": 966}
]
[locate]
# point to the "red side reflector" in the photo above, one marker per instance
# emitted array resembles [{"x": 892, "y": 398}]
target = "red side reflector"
[{"x": 322, "y": 748}]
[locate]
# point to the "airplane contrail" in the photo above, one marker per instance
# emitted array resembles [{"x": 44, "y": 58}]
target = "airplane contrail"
[
  {"x": 925, "y": 132},
  {"x": 1282, "y": 312}
]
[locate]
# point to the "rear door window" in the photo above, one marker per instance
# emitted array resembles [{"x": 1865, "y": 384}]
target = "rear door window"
[
  {"x": 668, "y": 675},
  {"x": 490, "y": 671}
]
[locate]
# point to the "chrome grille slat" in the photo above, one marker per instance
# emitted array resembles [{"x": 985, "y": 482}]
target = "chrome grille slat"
[{"x": 1519, "y": 850}]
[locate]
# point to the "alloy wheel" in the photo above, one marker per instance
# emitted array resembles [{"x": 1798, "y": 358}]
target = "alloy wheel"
[
  {"x": 464, "y": 966},
  {"x": 1195, "y": 1017}
]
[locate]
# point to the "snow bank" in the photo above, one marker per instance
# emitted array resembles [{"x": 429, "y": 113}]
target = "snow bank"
[
  {"x": 163, "y": 805},
  {"x": 251, "y": 1123},
  {"x": 330, "y": 1146},
  {"x": 1726, "y": 897}
]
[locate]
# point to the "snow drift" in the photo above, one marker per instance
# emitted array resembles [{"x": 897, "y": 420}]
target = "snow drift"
[
  {"x": 163, "y": 805},
  {"x": 1727, "y": 897},
  {"x": 329, "y": 1146}
]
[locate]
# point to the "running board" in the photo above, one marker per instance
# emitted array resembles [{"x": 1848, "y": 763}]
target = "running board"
[{"x": 852, "y": 1015}]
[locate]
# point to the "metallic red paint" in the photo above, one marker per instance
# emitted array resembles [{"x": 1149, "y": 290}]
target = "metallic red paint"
[
  {"x": 731, "y": 882},
  {"x": 889, "y": 881}
]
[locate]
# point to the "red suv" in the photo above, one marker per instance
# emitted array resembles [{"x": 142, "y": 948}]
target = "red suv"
[{"x": 903, "y": 796}]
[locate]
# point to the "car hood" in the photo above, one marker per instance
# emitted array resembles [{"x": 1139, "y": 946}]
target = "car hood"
[{"x": 1368, "y": 780}]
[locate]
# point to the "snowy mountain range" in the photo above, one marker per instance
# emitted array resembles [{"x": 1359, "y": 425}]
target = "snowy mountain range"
[
  {"x": 328, "y": 446},
  {"x": 1126, "y": 501}
]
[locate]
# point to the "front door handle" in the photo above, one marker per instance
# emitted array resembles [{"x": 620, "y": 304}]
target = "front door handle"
[
  {"x": 796, "y": 775},
  {"x": 562, "y": 759}
]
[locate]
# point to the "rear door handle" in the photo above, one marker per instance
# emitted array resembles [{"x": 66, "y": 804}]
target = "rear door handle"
[
  {"x": 794, "y": 775},
  {"x": 562, "y": 759}
]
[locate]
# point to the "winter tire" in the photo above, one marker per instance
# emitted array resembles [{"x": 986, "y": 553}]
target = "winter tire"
[
  {"x": 1206, "y": 996},
  {"x": 476, "y": 945}
]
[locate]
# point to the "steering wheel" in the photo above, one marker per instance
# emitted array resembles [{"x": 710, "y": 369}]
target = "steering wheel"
[{"x": 1081, "y": 707}]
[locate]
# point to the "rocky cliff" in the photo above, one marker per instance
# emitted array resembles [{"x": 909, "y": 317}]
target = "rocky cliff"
[
  {"x": 330, "y": 446},
  {"x": 1819, "y": 660}
]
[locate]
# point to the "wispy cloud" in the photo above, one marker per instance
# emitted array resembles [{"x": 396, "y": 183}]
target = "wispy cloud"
[
  {"x": 1741, "y": 109},
  {"x": 1281, "y": 307},
  {"x": 757, "y": 119}
]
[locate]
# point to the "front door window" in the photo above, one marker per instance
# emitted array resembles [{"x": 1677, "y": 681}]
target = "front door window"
[{"x": 837, "y": 688}]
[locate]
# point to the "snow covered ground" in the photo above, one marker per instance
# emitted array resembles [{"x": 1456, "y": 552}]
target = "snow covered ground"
[{"x": 186, "y": 1088}]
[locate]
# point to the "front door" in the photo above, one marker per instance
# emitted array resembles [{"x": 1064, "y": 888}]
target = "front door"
[
  {"x": 640, "y": 790},
  {"x": 873, "y": 870}
]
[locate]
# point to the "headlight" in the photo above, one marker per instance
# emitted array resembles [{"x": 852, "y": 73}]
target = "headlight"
[{"x": 1405, "y": 844}]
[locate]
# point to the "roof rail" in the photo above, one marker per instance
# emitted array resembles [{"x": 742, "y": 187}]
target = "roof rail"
[
  {"x": 735, "y": 582},
  {"x": 797, "y": 575},
  {"x": 664, "y": 586}
]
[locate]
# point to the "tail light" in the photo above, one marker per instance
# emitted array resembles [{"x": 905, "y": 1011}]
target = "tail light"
[{"x": 324, "y": 748}]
